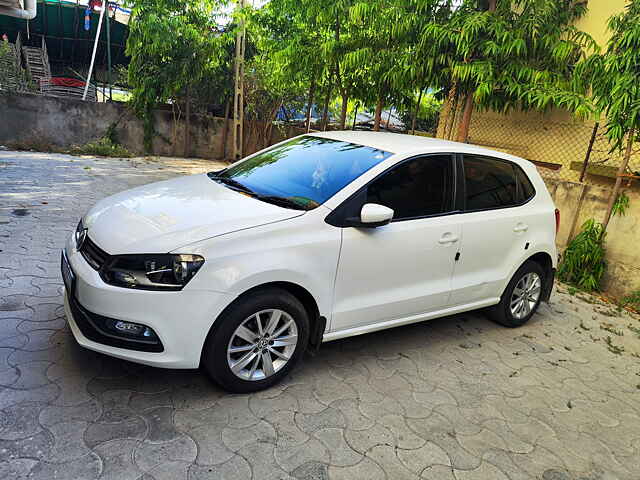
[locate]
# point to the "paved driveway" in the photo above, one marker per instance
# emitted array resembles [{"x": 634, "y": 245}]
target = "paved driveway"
[{"x": 456, "y": 398}]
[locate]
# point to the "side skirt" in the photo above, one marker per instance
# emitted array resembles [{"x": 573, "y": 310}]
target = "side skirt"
[{"x": 361, "y": 330}]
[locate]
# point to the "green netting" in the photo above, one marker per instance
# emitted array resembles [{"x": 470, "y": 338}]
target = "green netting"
[{"x": 68, "y": 43}]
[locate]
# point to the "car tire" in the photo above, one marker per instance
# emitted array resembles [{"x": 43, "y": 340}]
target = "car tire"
[
  {"x": 226, "y": 347},
  {"x": 516, "y": 305}
]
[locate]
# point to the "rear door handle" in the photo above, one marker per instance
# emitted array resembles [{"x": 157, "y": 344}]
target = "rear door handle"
[
  {"x": 521, "y": 227},
  {"x": 448, "y": 238}
]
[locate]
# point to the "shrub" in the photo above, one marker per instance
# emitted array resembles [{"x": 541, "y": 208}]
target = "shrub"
[
  {"x": 583, "y": 263},
  {"x": 103, "y": 147}
]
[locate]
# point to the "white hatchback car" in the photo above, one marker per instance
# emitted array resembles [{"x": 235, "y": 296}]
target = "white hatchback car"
[{"x": 320, "y": 237}]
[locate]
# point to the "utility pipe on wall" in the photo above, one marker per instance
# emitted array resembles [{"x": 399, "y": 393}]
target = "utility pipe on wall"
[{"x": 28, "y": 13}]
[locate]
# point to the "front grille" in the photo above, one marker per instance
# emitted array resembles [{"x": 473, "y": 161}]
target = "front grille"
[
  {"x": 93, "y": 254},
  {"x": 94, "y": 327}
]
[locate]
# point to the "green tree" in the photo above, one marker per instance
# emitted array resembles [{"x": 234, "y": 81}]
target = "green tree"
[
  {"x": 177, "y": 50},
  {"x": 615, "y": 78},
  {"x": 505, "y": 54}
]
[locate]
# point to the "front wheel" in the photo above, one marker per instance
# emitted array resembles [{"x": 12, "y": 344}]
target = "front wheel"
[
  {"x": 256, "y": 341},
  {"x": 521, "y": 298}
]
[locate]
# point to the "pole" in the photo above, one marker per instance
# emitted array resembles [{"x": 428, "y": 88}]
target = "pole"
[
  {"x": 108, "y": 28},
  {"x": 616, "y": 187},
  {"x": 585, "y": 164},
  {"x": 238, "y": 94},
  {"x": 95, "y": 49}
]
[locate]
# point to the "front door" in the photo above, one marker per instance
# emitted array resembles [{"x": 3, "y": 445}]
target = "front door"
[{"x": 403, "y": 268}]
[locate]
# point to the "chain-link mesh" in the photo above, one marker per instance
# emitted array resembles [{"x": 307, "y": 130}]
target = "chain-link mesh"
[{"x": 562, "y": 148}]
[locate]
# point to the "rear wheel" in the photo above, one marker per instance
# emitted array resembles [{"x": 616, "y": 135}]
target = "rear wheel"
[
  {"x": 256, "y": 341},
  {"x": 521, "y": 298}
]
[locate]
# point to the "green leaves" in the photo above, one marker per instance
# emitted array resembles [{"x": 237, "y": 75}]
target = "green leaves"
[
  {"x": 583, "y": 263},
  {"x": 615, "y": 75}
]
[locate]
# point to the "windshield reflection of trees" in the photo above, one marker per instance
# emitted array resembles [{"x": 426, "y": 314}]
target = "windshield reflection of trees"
[{"x": 244, "y": 169}]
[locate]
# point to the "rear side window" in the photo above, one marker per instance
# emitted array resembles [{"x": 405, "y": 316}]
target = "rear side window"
[
  {"x": 419, "y": 187},
  {"x": 489, "y": 183},
  {"x": 525, "y": 188}
]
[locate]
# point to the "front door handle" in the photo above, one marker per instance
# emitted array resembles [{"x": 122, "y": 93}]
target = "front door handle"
[
  {"x": 521, "y": 227},
  {"x": 448, "y": 238}
]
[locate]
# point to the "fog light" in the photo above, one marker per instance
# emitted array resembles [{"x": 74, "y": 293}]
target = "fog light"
[
  {"x": 124, "y": 278},
  {"x": 131, "y": 328}
]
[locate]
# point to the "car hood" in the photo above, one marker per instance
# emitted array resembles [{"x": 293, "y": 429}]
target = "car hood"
[{"x": 163, "y": 216}]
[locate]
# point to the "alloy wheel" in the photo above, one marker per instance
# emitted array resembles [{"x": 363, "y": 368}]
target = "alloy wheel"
[
  {"x": 525, "y": 295},
  {"x": 262, "y": 344}
]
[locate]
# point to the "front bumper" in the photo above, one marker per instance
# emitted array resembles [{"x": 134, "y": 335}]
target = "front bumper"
[{"x": 181, "y": 320}]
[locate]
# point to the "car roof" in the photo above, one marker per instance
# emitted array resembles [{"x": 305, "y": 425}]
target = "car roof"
[{"x": 399, "y": 143}]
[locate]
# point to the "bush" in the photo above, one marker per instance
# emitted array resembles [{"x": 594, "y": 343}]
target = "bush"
[
  {"x": 583, "y": 263},
  {"x": 103, "y": 147}
]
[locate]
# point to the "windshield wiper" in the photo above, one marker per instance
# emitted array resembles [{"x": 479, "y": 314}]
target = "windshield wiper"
[
  {"x": 232, "y": 183},
  {"x": 275, "y": 199},
  {"x": 281, "y": 201}
]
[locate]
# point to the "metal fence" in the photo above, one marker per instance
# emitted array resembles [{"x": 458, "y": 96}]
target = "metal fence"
[{"x": 562, "y": 148}]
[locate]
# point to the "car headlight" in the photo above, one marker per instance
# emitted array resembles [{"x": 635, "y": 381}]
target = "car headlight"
[
  {"x": 80, "y": 235},
  {"x": 151, "y": 272}
]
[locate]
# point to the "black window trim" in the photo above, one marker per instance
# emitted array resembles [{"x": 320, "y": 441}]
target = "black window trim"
[
  {"x": 461, "y": 202},
  {"x": 337, "y": 217}
]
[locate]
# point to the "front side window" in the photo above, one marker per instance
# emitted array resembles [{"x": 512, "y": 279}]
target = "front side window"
[
  {"x": 302, "y": 173},
  {"x": 489, "y": 183},
  {"x": 417, "y": 188}
]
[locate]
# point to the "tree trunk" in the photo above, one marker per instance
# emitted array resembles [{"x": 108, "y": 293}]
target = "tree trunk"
[
  {"x": 378, "y": 114},
  {"x": 312, "y": 89},
  {"x": 388, "y": 118},
  {"x": 355, "y": 115},
  {"x": 325, "y": 109},
  {"x": 492, "y": 5},
  {"x": 225, "y": 130},
  {"x": 187, "y": 125},
  {"x": 621, "y": 170},
  {"x": 463, "y": 130},
  {"x": 415, "y": 113},
  {"x": 343, "y": 113}
]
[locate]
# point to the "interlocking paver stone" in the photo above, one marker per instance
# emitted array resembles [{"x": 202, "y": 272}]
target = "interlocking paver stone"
[{"x": 458, "y": 398}]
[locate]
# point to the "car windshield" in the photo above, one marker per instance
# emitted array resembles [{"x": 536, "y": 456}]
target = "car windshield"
[{"x": 302, "y": 173}]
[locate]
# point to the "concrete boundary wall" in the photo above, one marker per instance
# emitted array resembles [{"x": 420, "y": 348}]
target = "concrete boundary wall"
[
  {"x": 27, "y": 119},
  {"x": 577, "y": 203}
]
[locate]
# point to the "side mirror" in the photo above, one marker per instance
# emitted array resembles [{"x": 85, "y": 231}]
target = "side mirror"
[{"x": 372, "y": 215}]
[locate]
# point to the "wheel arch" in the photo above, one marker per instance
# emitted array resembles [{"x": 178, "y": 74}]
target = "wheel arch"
[
  {"x": 546, "y": 263},
  {"x": 317, "y": 322}
]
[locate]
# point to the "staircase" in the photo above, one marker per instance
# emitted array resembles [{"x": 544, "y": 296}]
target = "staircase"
[{"x": 37, "y": 62}]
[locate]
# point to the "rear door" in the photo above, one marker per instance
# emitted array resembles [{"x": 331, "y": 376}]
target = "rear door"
[
  {"x": 403, "y": 268},
  {"x": 497, "y": 224}
]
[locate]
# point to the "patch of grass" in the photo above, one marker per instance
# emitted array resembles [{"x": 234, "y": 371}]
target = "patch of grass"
[
  {"x": 572, "y": 291},
  {"x": 103, "y": 147},
  {"x": 632, "y": 300},
  {"x": 583, "y": 263},
  {"x": 616, "y": 349},
  {"x": 34, "y": 145}
]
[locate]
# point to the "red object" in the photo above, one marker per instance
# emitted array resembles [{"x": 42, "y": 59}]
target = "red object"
[
  {"x": 98, "y": 3},
  {"x": 557, "y": 221},
  {"x": 66, "y": 82}
]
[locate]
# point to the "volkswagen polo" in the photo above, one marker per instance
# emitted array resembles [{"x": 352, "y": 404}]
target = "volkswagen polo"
[{"x": 317, "y": 238}]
